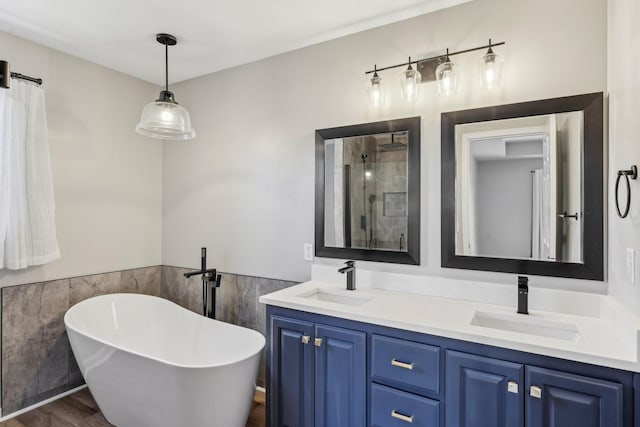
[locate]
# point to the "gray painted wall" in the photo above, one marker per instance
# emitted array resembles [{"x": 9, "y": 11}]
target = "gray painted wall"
[{"x": 247, "y": 181}]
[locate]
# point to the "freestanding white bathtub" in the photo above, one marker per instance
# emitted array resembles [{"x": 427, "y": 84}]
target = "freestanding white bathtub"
[{"x": 149, "y": 362}]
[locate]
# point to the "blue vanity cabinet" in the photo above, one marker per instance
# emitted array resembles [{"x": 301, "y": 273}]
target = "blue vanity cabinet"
[
  {"x": 317, "y": 375},
  {"x": 481, "y": 391},
  {"x": 340, "y": 378},
  {"x": 326, "y": 371},
  {"x": 558, "y": 399},
  {"x": 405, "y": 382},
  {"x": 291, "y": 361}
]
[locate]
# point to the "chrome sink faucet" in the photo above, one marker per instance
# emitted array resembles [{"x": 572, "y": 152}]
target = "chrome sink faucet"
[
  {"x": 350, "y": 269},
  {"x": 523, "y": 295}
]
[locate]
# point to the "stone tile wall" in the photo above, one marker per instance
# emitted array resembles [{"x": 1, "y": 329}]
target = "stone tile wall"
[
  {"x": 37, "y": 361},
  {"x": 236, "y": 300}
]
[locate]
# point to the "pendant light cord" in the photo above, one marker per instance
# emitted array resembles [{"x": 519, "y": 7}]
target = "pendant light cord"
[{"x": 166, "y": 67}]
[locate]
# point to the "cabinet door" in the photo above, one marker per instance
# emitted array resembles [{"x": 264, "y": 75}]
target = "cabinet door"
[
  {"x": 483, "y": 392},
  {"x": 341, "y": 370},
  {"x": 291, "y": 374},
  {"x": 558, "y": 399}
]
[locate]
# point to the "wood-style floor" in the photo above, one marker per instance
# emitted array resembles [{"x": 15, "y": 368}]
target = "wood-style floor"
[{"x": 80, "y": 410}]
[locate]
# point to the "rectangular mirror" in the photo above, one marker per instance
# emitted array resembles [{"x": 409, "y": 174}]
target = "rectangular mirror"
[
  {"x": 368, "y": 191},
  {"x": 522, "y": 188}
]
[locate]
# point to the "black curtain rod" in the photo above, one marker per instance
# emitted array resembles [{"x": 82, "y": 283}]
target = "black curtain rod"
[
  {"x": 6, "y": 75},
  {"x": 35, "y": 80}
]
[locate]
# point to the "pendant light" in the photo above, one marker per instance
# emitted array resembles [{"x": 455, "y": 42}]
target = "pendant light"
[
  {"x": 409, "y": 83},
  {"x": 491, "y": 69},
  {"x": 164, "y": 118},
  {"x": 375, "y": 90},
  {"x": 447, "y": 76}
]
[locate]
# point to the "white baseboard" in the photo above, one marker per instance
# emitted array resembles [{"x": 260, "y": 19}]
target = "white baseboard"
[
  {"x": 261, "y": 389},
  {"x": 39, "y": 404}
]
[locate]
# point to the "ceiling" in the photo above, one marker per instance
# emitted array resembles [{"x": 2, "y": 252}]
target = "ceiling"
[{"x": 212, "y": 34}]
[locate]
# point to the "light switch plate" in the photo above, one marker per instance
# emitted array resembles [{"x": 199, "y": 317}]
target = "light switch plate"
[
  {"x": 631, "y": 266},
  {"x": 308, "y": 252}
]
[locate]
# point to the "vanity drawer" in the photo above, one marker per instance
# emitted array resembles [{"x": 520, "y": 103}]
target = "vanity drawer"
[
  {"x": 395, "y": 408},
  {"x": 405, "y": 363}
]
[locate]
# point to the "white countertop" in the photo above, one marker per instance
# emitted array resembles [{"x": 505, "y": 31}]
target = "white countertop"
[{"x": 606, "y": 335}]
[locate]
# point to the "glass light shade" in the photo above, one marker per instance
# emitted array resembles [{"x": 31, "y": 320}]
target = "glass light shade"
[
  {"x": 165, "y": 120},
  {"x": 447, "y": 76},
  {"x": 491, "y": 71},
  {"x": 375, "y": 91},
  {"x": 409, "y": 84}
]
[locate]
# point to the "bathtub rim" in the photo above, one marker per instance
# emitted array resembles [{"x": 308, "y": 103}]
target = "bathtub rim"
[{"x": 157, "y": 359}]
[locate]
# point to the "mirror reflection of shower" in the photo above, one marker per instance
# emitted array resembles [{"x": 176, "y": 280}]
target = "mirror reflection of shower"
[
  {"x": 379, "y": 209},
  {"x": 366, "y": 192}
]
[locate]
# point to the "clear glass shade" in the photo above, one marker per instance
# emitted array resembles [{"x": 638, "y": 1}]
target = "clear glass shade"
[
  {"x": 409, "y": 85},
  {"x": 447, "y": 76},
  {"x": 491, "y": 71},
  {"x": 375, "y": 91},
  {"x": 165, "y": 120}
]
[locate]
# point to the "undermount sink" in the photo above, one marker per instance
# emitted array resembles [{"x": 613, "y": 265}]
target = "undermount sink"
[
  {"x": 336, "y": 296},
  {"x": 526, "y": 325}
]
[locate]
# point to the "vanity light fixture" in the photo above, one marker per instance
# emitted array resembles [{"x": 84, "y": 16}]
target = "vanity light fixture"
[
  {"x": 409, "y": 82},
  {"x": 447, "y": 76},
  {"x": 437, "y": 68},
  {"x": 491, "y": 69},
  {"x": 164, "y": 118},
  {"x": 375, "y": 89}
]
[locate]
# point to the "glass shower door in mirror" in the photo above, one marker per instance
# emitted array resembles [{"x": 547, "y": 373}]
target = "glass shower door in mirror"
[{"x": 366, "y": 192}]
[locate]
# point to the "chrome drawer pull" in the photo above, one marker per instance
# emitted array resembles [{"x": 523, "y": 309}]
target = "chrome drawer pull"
[
  {"x": 536, "y": 392},
  {"x": 400, "y": 364},
  {"x": 403, "y": 417},
  {"x": 512, "y": 387},
  {"x": 305, "y": 339},
  {"x": 317, "y": 342}
]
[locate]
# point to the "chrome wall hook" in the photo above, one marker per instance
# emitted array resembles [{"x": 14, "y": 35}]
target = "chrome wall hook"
[{"x": 628, "y": 174}]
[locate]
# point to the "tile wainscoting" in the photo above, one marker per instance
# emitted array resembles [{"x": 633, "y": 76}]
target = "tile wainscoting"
[
  {"x": 236, "y": 299},
  {"x": 37, "y": 361}
]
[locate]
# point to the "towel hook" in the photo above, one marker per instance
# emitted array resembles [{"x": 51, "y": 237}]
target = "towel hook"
[{"x": 628, "y": 174}]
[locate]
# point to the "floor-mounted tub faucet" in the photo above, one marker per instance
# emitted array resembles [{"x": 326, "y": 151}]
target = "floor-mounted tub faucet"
[
  {"x": 523, "y": 295},
  {"x": 210, "y": 281},
  {"x": 350, "y": 269}
]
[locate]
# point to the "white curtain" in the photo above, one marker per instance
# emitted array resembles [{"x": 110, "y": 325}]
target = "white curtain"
[
  {"x": 536, "y": 214},
  {"x": 540, "y": 216},
  {"x": 338, "y": 183},
  {"x": 27, "y": 209}
]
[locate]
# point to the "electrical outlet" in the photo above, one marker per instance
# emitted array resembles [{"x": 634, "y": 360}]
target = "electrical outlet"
[
  {"x": 308, "y": 252},
  {"x": 631, "y": 266}
]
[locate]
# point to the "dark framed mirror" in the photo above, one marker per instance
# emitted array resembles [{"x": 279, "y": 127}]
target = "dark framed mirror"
[
  {"x": 522, "y": 188},
  {"x": 367, "y": 201}
]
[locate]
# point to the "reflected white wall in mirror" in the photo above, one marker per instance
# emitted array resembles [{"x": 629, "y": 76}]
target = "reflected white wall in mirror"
[
  {"x": 519, "y": 188},
  {"x": 366, "y": 192}
]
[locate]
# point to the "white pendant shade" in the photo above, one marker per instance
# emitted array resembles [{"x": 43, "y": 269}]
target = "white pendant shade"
[{"x": 165, "y": 120}]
